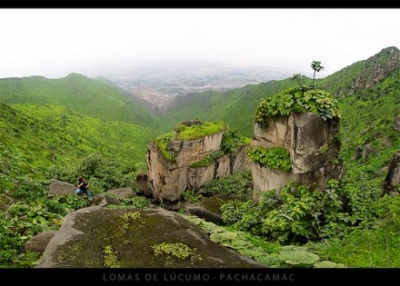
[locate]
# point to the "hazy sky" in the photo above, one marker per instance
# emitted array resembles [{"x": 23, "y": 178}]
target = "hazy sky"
[{"x": 56, "y": 42}]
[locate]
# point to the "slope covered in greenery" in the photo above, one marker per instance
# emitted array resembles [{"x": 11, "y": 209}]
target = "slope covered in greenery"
[
  {"x": 36, "y": 137},
  {"x": 89, "y": 97},
  {"x": 368, "y": 120}
]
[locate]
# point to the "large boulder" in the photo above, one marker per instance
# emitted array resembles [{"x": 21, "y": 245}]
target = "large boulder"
[
  {"x": 169, "y": 179},
  {"x": 39, "y": 242},
  {"x": 97, "y": 237},
  {"x": 57, "y": 187},
  {"x": 314, "y": 149}
]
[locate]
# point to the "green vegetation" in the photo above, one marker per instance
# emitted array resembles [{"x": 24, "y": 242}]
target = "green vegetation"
[
  {"x": 127, "y": 217},
  {"x": 208, "y": 160},
  {"x": 162, "y": 143},
  {"x": 178, "y": 250},
  {"x": 190, "y": 196},
  {"x": 268, "y": 253},
  {"x": 48, "y": 129},
  {"x": 294, "y": 215},
  {"x": 197, "y": 131},
  {"x": 31, "y": 211},
  {"x": 235, "y": 107},
  {"x": 88, "y": 97},
  {"x": 62, "y": 129},
  {"x": 297, "y": 100},
  {"x": 239, "y": 185},
  {"x": 316, "y": 66},
  {"x": 232, "y": 141},
  {"x": 110, "y": 258},
  {"x": 274, "y": 158}
]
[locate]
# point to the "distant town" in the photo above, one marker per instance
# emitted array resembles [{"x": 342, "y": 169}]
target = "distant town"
[{"x": 159, "y": 85}]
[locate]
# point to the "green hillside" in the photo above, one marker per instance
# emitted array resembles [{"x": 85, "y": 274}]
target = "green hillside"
[
  {"x": 35, "y": 138},
  {"x": 63, "y": 128},
  {"x": 368, "y": 119},
  {"x": 95, "y": 98},
  {"x": 362, "y": 75}
]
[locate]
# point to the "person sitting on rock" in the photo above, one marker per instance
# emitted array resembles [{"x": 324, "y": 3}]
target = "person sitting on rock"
[{"x": 83, "y": 188}]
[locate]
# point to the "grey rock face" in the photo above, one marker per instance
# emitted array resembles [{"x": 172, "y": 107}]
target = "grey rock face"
[
  {"x": 313, "y": 147},
  {"x": 169, "y": 179}
]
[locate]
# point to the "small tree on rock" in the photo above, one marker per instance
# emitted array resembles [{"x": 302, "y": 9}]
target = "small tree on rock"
[{"x": 316, "y": 66}]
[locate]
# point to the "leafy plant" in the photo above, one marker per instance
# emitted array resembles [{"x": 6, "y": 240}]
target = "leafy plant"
[
  {"x": 268, "y": 253},
  {"x": 295, "y": 215},
  {"x": 190, "y": 196},
  {"x": 239, "y": 185},
  {"x": 296, "y": 256},
  {"x": 274, "y": 158},
  {"x": 294, "y": 100}
]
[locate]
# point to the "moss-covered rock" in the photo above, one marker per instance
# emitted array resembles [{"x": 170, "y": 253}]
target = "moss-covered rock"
[{"x": 98, "y": 237}]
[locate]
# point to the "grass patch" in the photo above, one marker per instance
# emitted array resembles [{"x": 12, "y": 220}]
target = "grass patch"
[{"x": 194, "y": 132}]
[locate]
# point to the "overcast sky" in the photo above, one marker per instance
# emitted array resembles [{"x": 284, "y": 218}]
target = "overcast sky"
[{"x": 55, "y": 42}]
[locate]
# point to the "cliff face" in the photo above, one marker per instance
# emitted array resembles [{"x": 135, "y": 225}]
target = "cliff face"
[
  {"x": 169, "y": 179},
  {"x": 313, "y": 146}
]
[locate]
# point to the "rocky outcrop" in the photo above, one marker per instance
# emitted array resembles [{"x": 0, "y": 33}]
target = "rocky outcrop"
[
  {"x": 39, "y": 242},
  {"x": 57, "y": 187},
  {"x": 169, "y": 179},
  {"x": 97, "y": 237},
  {"x": 368, "y": 73},
  {"x": 377, "y": 68},
  {"x": 313, "y": 146}
]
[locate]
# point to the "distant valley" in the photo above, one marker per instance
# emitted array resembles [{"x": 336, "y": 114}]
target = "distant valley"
[{"x": 160, "y": 83}]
